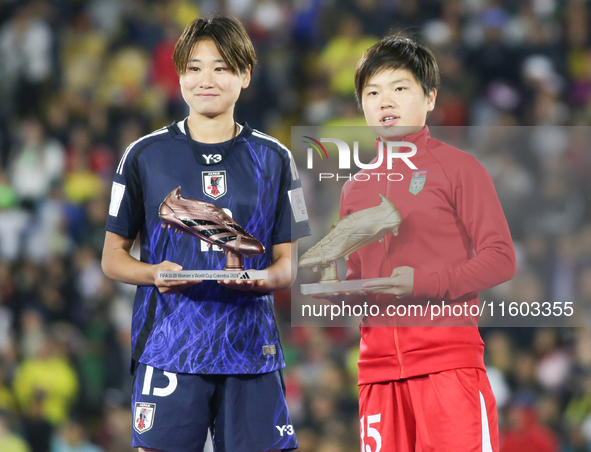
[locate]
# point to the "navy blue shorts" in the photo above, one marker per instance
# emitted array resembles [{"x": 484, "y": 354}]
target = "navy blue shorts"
[{"x": 246, "y": 413}]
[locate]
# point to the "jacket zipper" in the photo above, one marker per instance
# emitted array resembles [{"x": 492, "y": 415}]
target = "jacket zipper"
[{"x": 396, "y": 343}]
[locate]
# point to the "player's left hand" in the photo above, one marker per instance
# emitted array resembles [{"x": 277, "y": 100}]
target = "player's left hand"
[
  {"x": 400, "y": 283},
  {"x": 243, "y": 284}
]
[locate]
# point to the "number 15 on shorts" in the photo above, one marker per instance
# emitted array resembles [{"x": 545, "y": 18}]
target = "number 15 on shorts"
[{"x": 367, "y": 431}]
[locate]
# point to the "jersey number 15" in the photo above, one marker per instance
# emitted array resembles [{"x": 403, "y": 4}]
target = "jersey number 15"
[{"x": 371, "y": 433}]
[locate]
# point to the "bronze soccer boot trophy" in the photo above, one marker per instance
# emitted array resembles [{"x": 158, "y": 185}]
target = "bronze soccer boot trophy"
[{"x": 211, "y": 224}]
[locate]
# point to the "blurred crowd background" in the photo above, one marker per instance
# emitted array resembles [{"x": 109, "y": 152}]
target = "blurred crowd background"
[{"x": 81, "y": 79}]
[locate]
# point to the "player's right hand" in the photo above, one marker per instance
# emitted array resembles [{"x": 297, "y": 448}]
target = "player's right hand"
[{"x": 170, "y": 286}]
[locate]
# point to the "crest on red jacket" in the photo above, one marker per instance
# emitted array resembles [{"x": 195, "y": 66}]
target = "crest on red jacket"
[{"x": 417, "y": 182}]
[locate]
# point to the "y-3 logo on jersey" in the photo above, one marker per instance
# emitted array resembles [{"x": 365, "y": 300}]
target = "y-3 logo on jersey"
[
  {"x": 212, "y": 158},
  {"x": 285, "y": 429}
]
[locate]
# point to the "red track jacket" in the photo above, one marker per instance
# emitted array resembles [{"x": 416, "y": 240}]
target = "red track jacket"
[{"x": 453, "y": 233}]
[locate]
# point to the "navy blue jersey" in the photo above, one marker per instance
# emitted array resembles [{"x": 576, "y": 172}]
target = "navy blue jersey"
[{"x": 208, "y": 328}]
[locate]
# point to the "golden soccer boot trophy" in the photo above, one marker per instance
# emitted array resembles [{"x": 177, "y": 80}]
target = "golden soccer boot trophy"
[{"x": 347, "y": 235}]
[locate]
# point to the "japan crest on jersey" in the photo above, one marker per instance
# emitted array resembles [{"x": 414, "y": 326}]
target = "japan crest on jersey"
[
  {"x": 214, "y": 183},
  {"x": 143, "y": 416},
  {"x": 417, "y": 182}
]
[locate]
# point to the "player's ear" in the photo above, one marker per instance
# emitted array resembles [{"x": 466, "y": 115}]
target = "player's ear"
[
  {"x": 246, "y": 77},
  {"x": 431, "y": 99}
]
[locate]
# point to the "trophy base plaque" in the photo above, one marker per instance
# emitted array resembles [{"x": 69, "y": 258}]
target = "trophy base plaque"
[
  {"x": 337, "y": 287},
  {"x": 199, "y": 275}
]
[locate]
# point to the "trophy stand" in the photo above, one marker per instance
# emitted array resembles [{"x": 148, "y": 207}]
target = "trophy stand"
[
  {"x": 233, "y": 270},
  {"x": 353, "y": 286},
  {"x": 330, "y": 283},
  {"x": 233, "y": 261},
  {"x": 328, "y": 273}
]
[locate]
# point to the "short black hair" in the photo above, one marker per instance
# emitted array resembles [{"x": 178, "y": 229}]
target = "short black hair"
[
  {"x": 398, "y": 51},
  {"x": 230, "y": 39}
]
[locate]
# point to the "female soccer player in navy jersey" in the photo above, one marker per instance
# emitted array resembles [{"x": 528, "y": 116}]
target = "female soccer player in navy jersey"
[{"x": 206, "y": 355}]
